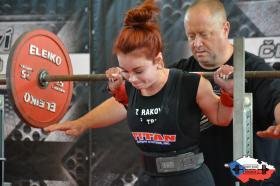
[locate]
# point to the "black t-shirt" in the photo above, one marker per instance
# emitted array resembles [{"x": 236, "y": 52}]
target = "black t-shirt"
[
  {"x": 216, "y": 142},
  {"x": 168, "y": 121}
]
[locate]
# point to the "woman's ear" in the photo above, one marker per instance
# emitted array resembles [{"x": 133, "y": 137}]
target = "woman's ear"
[{"x": 159, "y": 61}]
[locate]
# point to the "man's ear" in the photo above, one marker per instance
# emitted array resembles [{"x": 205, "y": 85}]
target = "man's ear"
[{"x": 226, "y": 28}]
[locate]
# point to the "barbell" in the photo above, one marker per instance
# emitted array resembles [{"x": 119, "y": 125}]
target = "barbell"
[{"x": 39, "y": 78}]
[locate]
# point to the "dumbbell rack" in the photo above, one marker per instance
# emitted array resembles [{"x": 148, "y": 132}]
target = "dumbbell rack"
[{"x": 2, "y": 140}]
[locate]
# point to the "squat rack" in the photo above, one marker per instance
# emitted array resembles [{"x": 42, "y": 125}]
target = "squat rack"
[{"x": 243, "y": 108}]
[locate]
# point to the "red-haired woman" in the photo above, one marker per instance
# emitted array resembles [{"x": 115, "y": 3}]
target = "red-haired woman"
[{"x": 164, "y": 105}]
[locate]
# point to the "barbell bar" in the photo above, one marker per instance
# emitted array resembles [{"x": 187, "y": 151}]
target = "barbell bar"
[{"x": 102, "y": 77}]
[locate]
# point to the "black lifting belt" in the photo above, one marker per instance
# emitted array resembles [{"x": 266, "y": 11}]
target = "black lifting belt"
[{"x": 172, "y": 164}]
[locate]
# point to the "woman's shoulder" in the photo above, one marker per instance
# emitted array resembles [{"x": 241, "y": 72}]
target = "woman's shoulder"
[{"x": 189, "y": 81}]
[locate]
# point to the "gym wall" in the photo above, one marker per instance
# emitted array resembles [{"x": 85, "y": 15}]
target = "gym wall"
[{"x": 103, "y": 156}]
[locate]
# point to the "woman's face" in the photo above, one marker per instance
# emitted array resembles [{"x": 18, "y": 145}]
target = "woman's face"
[{"x": 140, "y": 71}]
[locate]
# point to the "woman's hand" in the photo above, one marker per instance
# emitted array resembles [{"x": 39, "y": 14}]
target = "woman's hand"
[
  {"x": 222, "y": 78},
  {"x": 115, "y": 78},
  {"x": 72, "y": 128}
]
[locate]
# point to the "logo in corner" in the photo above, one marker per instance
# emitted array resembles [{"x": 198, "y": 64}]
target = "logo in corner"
[{"x": 247, "y": 168}]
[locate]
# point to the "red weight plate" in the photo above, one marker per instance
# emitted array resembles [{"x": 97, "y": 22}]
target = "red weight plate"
[{"x": 32, "y": 53}]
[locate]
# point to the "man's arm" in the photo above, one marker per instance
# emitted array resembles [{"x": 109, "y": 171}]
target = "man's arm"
[
  {"x": 266, "y": 106},
  {"x": 277, "y": 114},
  {"x": 274, "y": 130},
  {"x": 266, "y": 93}
]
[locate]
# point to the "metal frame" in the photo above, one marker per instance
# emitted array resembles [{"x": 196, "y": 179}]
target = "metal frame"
[
  {"x": 91, "y": 89},
  {"x": 248, "y": 125},
  {"x": 2, "y": 158},
  {"x": 2, "y": 142},
  {"x": 243, "y": 109}
]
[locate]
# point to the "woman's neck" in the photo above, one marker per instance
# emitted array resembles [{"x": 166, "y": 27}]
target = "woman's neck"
[{"x": 158, "y": 85}]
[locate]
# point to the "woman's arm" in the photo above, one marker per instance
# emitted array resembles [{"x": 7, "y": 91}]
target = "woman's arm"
[
  {"x": 107, "y": 113},
  {"x": 210, "y": 104},
  {"x": 219, "y": 110}
]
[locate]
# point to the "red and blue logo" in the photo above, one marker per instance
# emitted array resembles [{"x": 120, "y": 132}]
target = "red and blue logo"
[{"x": 247, "y": 168}]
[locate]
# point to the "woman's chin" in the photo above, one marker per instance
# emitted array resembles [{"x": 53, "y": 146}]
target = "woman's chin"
[{"x": 137, "y": 86}]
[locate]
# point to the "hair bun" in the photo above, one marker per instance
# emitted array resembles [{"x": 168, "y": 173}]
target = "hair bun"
[{"x": 142, "y": 15}]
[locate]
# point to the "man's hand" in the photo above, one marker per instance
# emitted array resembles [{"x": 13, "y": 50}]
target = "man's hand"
[{"x": 271, "y": 132}]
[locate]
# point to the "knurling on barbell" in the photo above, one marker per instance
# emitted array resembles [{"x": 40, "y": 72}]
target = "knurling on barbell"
[{"x": 39, "y": 78}]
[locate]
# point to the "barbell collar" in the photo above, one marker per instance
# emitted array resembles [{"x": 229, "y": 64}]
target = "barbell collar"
[{"x": 3, "y": 81}]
